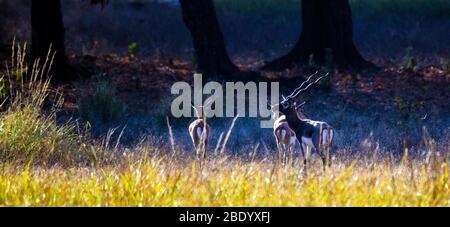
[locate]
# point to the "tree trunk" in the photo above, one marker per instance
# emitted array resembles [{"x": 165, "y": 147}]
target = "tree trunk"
[
  {"x": 200, "y": 18},
  {"x": 47, "y": 31},
  {"x": 327, "y": 36},
  {"x": 5, "y": 10}
]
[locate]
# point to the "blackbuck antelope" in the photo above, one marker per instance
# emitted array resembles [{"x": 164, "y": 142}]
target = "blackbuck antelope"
[
  {"x": 200, "y": 132},
  {"x": 317, "y": 135},
  {"x": 286, "y": 139}
]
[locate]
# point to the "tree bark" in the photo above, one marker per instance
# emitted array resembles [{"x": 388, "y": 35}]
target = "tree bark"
[
  {"x": 200, "y": 18},
  {"x": 3, "y": 11},
  {"x": 6, "y": 12},
  {"x": 47, "y": 31},
  {"x": 327, "y": 32}
]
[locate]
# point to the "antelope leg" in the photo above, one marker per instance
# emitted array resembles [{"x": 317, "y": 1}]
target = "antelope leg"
[
  {"x": 291, "y": 150},
  {"x": 305, "y": 154},
  {"x": 324, "y": 158}
]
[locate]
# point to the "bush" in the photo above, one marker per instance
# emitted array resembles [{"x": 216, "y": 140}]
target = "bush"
[
  {"x": 26, "y": 133},
  {"x": 445, "y": 62},
  {"x": 26, "y": 136},
  {"x": 102, "y": 105}
]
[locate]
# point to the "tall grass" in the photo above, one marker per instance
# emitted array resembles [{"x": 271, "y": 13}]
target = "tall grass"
[
  {"x": 228, "y": 182},
  {"x": 29, "y": 132},
  {"x": 27, "y": 135}
]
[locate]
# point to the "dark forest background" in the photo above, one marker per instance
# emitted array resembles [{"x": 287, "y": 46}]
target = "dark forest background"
[
  {"x": 255, "y": 30},
  {"x": 390, "y": 60}
]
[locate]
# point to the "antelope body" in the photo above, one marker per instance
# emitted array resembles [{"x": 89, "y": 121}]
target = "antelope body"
[
  {"x": 200, "y": 133},
  {"x": 285, "y": 137},
  {"x": 313, "y": 135}
]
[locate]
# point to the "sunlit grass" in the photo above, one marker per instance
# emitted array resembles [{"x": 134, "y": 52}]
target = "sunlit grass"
[
  {"x": 29, "y": 133},
  {"x": 155, "y": 182}
]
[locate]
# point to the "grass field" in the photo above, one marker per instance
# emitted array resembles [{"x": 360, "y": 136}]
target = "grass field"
[{"x": 157, "y": 181}]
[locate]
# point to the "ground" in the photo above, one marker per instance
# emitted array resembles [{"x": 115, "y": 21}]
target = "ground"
[{"x": 360, "y": 102}]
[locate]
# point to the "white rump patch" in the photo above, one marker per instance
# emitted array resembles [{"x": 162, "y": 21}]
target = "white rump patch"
[
  {"x": 283, "y": 134},
  {"x": 325, "y": 136},
  {"x": 307, "y": 141},
  {"x": 199, "y": 132}
]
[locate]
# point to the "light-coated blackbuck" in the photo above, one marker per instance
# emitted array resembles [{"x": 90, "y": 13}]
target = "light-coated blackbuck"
[
  {"x": 285, "y": 138},
  {"x": 200, "y": 132},
  {"x": 313, "y": 135}
]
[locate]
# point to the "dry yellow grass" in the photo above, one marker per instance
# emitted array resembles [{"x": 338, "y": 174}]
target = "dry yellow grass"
[{"x": 158, "y": 181}]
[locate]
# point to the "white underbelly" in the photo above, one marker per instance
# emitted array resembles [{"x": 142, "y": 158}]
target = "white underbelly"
[{"x": 308, "y": 142}]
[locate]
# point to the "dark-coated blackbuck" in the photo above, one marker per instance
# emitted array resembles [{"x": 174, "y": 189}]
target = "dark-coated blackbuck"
[{"x": 313, "y": 135}]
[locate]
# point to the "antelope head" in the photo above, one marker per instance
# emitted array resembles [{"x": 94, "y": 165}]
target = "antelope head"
[{"x": 289, "y": 107}]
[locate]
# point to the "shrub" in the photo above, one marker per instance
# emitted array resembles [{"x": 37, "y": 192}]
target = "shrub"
[
  {"x": 26, "y": 136},
  {"x": 445, "y": 62},
  {"x": 410, "y": 61},
  {"x": 131, "y": 48},
  {"x": 26, "y": 133},
  {"x": 102, "y": 105}
]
